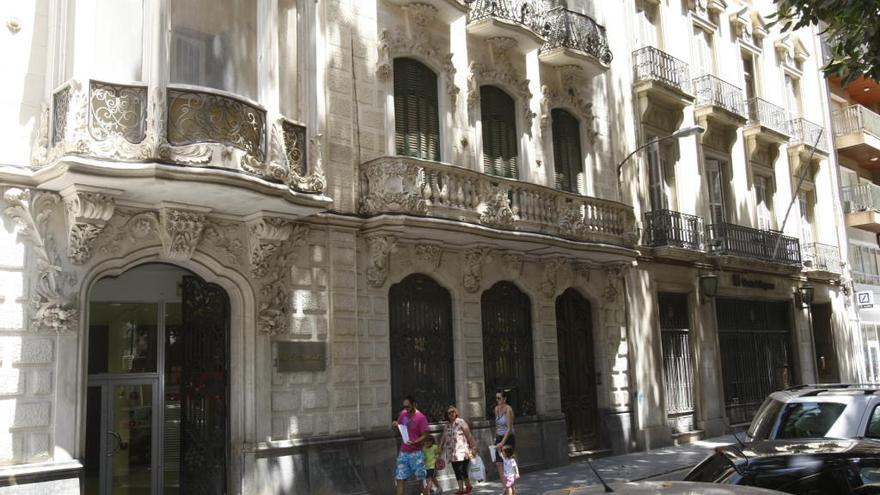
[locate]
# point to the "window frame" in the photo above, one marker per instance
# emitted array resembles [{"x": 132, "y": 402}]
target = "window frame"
[
  {"x": 578, "y": 181},
  {"x": 398, "y": 121}
]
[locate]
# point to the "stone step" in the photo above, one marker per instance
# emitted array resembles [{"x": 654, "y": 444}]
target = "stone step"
[{"x": 687, "y": 437}]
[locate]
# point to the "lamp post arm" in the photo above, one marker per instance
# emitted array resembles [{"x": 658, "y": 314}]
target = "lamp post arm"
[{"x": 640, "y": 148}]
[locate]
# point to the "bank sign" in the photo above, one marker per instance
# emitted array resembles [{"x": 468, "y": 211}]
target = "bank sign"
[{"x": 865, "y": 299}]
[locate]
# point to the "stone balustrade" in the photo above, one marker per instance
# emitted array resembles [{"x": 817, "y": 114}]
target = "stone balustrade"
[
  {"x": 411, "y": 186},
  {"x": 182, "y": 125}
]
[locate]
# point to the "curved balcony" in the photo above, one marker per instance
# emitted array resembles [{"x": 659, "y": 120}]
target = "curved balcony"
[
  {"x": 402, "y": 185},
  {"x": 719, "y": 98},
  {"x": 822, "y": 259},
  {"x": 673, "y": 234},
  {"x": 189, "y": 134},
  {"x": 575, "y": 39},
  {"x": 521, "y": 20},
  {"x": 809, "y": 134}
]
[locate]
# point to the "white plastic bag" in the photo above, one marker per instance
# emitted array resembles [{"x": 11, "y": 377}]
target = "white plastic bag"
[{"x": 477, "y": 470}]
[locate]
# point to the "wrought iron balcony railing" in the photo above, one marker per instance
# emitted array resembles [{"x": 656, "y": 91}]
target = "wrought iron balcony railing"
[
  {"x": 821, "y": 258},
  {"x": 183, "y": 125},
  {"x": 526, "y": 13},
  {"x": 709, "y": 90},
  {"x": 651, "y": 64},
  {"x": 764, "y": 245},
  {"x": 855, "y": 118},
  {"x": 764, "y": 113},
  {"x": 864, "y": 197},
  {"x": 673, "y": 229},
  {"x": 564, "y": 28},
  {"x": 805, "y": 132},
  {"x": 421, "y": 187}
]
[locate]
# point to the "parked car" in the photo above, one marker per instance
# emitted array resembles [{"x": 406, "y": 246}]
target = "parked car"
[
  {"x": 816, "y": 466},
  {"x": 667, "y": 488},
  {"x": 812, "y": 411}
]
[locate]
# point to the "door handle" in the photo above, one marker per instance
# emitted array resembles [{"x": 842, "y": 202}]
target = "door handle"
[{"x": 118, "y": 443}]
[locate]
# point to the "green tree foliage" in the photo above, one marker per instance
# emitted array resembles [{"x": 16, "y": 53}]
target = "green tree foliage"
[{"x": 851, "y": 29}]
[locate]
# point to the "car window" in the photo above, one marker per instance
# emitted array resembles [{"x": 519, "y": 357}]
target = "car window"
[
  {"x": 762, "y": 425},
  {"x": 825, "y": 483},
  {"x": 714, "y": 469},
  {"x": 874, "y": 423},
  {"x": 808, "y": 419}
]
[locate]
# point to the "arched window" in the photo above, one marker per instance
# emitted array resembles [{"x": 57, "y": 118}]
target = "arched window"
[
  {"x": 421, "y": 345},
  {"x": 507, "y": 347},
  {"x": 567, "y": 158},
  {"x": 500, "y": 146},
  {"x": 416, "y": 120}
]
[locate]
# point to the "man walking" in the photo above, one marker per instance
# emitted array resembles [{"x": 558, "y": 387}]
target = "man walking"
[{"x": 411, "y": 460}]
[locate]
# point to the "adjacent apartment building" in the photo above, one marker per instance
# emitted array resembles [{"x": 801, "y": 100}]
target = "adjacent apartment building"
[{"x": 237, "y": 234}]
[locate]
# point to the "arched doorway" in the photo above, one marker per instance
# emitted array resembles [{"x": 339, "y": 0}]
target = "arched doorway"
[
  {"x": 577, "y": 370},
  {"x": 508, "y": 363},
  {"x": 157, "y": 415},
  {"x": 421, "y": 345}
]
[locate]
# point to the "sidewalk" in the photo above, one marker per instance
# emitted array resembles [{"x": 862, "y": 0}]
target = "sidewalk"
[{"x": 664, "y": 463}]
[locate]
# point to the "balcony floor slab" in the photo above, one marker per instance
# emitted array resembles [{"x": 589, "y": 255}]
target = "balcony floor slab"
[{"x": 222, "y": 192}]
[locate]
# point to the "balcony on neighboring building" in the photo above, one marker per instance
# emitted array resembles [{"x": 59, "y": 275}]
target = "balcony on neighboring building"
[
  {"x": 574, "y": 39},
  {"x": 857, "y": 135},
  {"x": 154, "y": 145},
  {"x": 718, "y": 105},
  {"x": 521, "y": 20},
  {"x": 422, "y": 188},
  {"x": 726, "y": 239},
  {"x": 862, "y": 207},
  {"x": 674, "y": 234},
  {"x": 822, "y": 259},
  {"x": 663, "y": 85}
]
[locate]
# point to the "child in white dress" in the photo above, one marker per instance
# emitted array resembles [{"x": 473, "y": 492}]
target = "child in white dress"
[{"x": 511, "y": 470}]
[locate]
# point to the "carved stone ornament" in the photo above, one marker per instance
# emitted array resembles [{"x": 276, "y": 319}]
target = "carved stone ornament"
[
  {"x": 273, "y": 308},
  {"x": 473, "y": 268},
  {"x": 496, "y": 210},
  {"x": 421, "y": 44},
  {"x": 181, "y": 232},
  {"x": 225, "y": 239},
  {"x": 393, "y": 185},
  {"x": 583, "y": 269},
  {"x": 87, "y": 214},
  {"x": 513, "y": 264},
  {"x": 428, "y": 256},
  {"x": 571, "y": 97},
  {"x": 501, "y": 75},
  {"x": 549, "y": 276},
  {"x": 267, "y": 235},
  {"x": 380, "y": 248},
  {"x": 614, "y": 274},
  {"x": 51, "y": 308}
]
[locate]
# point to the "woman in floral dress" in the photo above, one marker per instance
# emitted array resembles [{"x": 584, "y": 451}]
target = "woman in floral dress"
[{"x": 458, "y": 445}]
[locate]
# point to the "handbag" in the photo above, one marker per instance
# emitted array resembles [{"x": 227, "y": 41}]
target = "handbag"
[
  {"x": 477, "y": 470},
  {"x": 440, "y": 465}
]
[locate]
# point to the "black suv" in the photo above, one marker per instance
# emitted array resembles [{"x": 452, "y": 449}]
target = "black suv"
[{"x": 818, "y": 466}]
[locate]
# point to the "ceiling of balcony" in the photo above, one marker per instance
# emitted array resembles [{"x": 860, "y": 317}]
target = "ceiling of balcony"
[{"x": 863, "y": 90}]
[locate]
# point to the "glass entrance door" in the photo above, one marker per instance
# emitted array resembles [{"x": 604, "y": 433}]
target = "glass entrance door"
[
  {"x": 156, "y": 405},
  {"x": 121, "y": 448}
]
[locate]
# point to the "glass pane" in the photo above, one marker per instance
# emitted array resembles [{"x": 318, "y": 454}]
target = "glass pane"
[
  {"x": 874, "y": 424},
  {"x": 122, "y": 337},
  {"x": 131, "y": 439},
  {"x": 809, "y": 420},
  {"x": 214, "y": 44},
  {"x": 288, "y": 58},
  {"x": 92, "y": 464},
  {"x": 119, "y": 45},
  {"x": 173, "y": 373}
]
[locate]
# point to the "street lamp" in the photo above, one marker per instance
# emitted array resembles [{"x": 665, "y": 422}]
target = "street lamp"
[{"x": 681, "y": 133}]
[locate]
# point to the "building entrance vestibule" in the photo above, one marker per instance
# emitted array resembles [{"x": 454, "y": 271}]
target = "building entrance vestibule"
[{"x": 157, "y": 410}]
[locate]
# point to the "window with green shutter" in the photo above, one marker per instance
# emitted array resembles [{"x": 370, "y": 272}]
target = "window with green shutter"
[
  {"x": 567, "y": 158},
  {"x": 416, "y": 119},
  {"x": 500, "y": 144}
]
